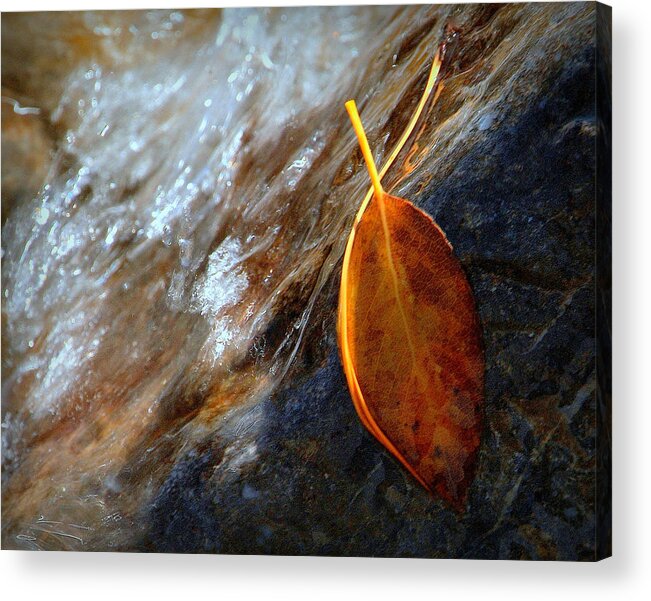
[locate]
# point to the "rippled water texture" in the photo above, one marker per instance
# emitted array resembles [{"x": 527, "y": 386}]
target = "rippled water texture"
[{"x": 177, "y": 189}]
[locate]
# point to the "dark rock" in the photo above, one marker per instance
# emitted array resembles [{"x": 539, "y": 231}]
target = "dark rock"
[{"x": 519, "y": 208}]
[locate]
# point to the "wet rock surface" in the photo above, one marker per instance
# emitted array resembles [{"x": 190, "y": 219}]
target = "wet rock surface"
[
  {"x": 259, "y": 449},
  {"x": 519, "y": 210}
]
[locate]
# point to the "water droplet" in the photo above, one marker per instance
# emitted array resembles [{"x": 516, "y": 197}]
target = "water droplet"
[{"x": 41, "y": 215}]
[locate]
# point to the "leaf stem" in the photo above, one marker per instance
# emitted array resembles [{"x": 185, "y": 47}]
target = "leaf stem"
[{"x": 351, "y": 107}]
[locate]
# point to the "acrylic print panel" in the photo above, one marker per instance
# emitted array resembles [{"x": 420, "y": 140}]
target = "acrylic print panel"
[{"x": 219, "y": 337}]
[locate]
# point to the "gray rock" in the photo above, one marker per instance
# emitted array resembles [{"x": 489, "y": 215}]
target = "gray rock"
[{"x": 519, "y": 208}]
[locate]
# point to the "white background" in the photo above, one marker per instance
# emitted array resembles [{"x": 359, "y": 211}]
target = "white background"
[{"x": 626, "y": 576}]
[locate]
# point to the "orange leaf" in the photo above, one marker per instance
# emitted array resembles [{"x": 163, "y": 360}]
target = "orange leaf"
[{"x": 410, "y": 340}]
